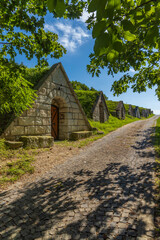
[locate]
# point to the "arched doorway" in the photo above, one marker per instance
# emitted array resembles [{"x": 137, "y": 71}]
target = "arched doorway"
[
  {"x": 59, "y": 118},
  {"x": 101, "y": 112}
]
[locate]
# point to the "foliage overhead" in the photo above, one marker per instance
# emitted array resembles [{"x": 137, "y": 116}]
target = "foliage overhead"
[
  {"x": 126, "y": 36},
  {"x": 22, "y": 33}
]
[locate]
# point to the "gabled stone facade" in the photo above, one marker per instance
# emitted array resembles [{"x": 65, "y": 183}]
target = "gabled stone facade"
[
  {"x": 137, "y": 112},
  {"x": 120, "y": 110},
  {"x": 54, "y": 89},
  {"x": 100, "y": 111},
  {"x": 144, "y": 113},
  {"x": 131, "y": 111}
]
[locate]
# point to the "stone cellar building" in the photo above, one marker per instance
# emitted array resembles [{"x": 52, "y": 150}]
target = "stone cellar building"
[
  {"x": 120, "y": 110},
  {"x": 100, "y": 111},
  {"x": 131, "y": 110},
  {"x": 137, "y": 112},
  {"x": 56, "y": 112}
]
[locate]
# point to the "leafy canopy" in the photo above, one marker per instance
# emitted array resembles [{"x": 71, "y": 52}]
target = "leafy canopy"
[
  {"x": 22, "y": 33},
  {"x": 127, "y": 35}
]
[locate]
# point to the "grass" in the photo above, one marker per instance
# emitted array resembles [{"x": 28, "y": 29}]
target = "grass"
[
  {"x": 157, "y": 149},
  {"x": 106, "y": 127},
  {"x": 112, "y": 124},
  {"x": 14, "y": 163}
]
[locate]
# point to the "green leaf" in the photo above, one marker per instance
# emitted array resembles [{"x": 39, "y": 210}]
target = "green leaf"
[
  {"x": 127, "y": 25},
  {"x": 98, "y": 28},
  {"x": 93, "y": 6},
  {"x": 102, "y": 43},
  {"x": 152, "y": 35},
  {"x": 129, "y": 36},
  {"x": 118, "y": 46},
  {"x": 101, "y": 10},
  {"x": 60, "y": 8},
  {"x": 112, "y": 55},
  {"x": 114, "y": 4},
  {"x": 51, "y": 5}
]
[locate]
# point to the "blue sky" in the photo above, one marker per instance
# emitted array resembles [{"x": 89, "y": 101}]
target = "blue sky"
[{"x": 75, "y": 37}]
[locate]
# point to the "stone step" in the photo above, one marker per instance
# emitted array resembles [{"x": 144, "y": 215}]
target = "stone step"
[
  {"x": 79, "y": 135},
  {"x": 37, "y": 141},
  {"x": 13, "y": 144}
]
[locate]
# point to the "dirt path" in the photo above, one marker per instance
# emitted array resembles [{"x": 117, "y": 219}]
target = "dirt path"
[{"x": 105, "y": 192}]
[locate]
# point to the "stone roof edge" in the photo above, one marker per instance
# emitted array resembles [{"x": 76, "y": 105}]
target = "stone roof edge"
[
  {"x": 44, "y": 78},
  {"x": 105, "y": 102},
  {"x": 75, "y": 96},
  {"x": 94, "y": 106},
  {"x": 119, "y": 103}
]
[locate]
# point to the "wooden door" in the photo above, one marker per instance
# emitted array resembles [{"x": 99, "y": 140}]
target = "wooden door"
[{"x": 54, "y": 121}]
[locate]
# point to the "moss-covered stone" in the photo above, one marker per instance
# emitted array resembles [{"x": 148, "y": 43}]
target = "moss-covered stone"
[
  {"x": 37, "y": 141},
  {"x": 14, "y": 145},
  {"x": 79, "y": 135}
]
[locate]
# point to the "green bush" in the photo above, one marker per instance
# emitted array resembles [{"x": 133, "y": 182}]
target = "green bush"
[
  {"x": 34, "y": 75},
  {"x": 87, "y": 100}
]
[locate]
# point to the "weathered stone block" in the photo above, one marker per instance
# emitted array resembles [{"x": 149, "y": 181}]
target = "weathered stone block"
[
  {"x": 79, "y": 135},
  {"x": 100, "y": 132},
  {"x": 42, "y": 99},
  {"x": 48, "y": 130},
  {"x": 37, "y": 141},
  {"x": 17, "y": 130},
  {"x": 44, "y": 106},
  {"x": 40, "y": 130},
  {"x": 42, "y": 91},
  {"x": 46, "y": 121},
  {"x": 38, "y": 121},
  {"x": 30, "y": 130},
  {"x": 14, "y": 145},
  {"x": 31, "y": 112},
  {"x": 43, "y": 113},
  {"x": 74, "y": 105},
  {"x": 26, "y": 121},
  {"x": 81, "y": 122}
]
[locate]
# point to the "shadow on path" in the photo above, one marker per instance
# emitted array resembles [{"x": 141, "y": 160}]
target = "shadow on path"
[{"x": 107, "y": 204}]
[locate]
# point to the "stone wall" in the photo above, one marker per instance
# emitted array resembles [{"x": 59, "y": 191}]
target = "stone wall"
[
  {"x": 96, "y": 114},
  {"x": 55, "y": 89}
]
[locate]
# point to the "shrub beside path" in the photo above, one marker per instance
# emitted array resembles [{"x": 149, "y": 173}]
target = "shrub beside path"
[{"x": 104, "y": 192}]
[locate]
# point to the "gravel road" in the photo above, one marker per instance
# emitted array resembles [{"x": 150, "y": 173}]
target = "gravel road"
[{"x": 104, "y": 192}]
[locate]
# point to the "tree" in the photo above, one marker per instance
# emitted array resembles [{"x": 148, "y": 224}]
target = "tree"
[
  {"x": 22, "y": 32},
  {"x": 127, "y": 35}
]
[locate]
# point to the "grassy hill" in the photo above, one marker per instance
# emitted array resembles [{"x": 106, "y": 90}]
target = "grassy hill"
[{"x": 87, "y": 100}]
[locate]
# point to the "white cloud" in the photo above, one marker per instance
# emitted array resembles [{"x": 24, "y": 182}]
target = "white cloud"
[
  {"x": 132, "y": 70},
  {"x": 157, "y": 112},
  {"x": 85, "y": 16},
  {"x": 49, "y": 28},
  {"x": 69, "y": 36}
]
